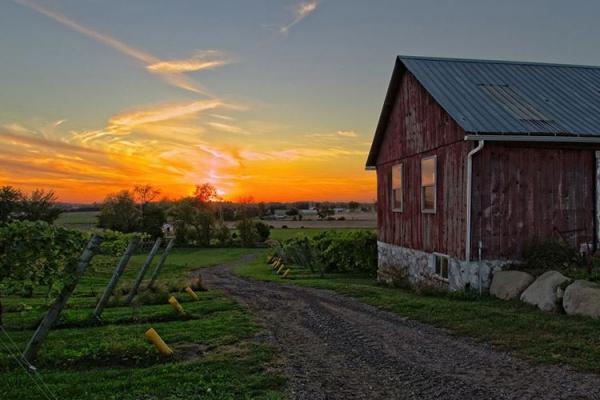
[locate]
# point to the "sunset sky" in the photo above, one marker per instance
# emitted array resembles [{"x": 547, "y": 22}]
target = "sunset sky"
[{"x": 275, "y": 99}]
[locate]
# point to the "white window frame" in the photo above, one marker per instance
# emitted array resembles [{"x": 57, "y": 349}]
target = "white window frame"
[
  {"x": 399, "y": 167},
  {"x": 422, "y": 187},
  {"x": 440, "y": 275}
]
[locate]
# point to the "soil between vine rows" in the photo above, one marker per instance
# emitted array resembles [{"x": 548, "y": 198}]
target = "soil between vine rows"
[{"x": 334, "y": 347}]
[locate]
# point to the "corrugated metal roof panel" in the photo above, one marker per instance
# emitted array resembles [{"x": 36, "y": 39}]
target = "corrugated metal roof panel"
[{"x": 503, "y": 97}]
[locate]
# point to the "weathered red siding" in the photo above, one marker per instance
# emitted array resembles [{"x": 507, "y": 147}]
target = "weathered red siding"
[
  {"x": 523, "y": 192},
  {"x": 418, "y": 128}
]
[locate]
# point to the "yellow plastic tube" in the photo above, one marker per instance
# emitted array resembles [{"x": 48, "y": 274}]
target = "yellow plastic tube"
[
  {"x": 176, "y": 306},
  {"x": 157, "y": 341},
  {"x": 285, "y": 274},
  {"x": 191, "y": 293}
]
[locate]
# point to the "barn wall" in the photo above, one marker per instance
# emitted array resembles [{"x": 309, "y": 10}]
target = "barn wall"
[
  {"x": 524, "y": 192},
  {"x": 419, "y": 128}
]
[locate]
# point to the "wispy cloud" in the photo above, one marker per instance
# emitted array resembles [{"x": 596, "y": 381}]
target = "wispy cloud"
[
  {"x": 173, "y": 76},
  {"x": 334, "y": 135},
  {"x": 162, "y": 121},
  {"x": 201, "y": 60},
  {"x": 301, "y": 11},
  {"x": 228, "y": 128}
]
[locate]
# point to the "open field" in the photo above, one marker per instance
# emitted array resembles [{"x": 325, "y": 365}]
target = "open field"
[
  {"x": 217, "y": 355},
  {"x": 82, "y": 220},
  {"x": 511, "y": 326}
]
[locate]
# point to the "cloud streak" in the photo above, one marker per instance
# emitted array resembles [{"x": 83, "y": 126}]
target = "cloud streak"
[
  {"x": 174, "y": 76},
  {"x": 301, "y": 11},
  {"x": 202, "y": 60}
]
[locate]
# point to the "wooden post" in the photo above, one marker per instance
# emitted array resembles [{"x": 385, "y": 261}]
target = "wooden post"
[
  {"x": 162, "y": 260},
  {"x": 52, "y": 315},
  {"x": 140, "y": 277},
  {"x": 116, "y": 276}
]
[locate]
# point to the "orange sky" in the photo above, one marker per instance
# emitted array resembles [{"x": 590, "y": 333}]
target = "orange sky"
[{"x": 162, "y": 126}]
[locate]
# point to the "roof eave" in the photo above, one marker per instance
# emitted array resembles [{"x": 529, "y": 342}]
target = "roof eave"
[{"x": 532, "y": 138}]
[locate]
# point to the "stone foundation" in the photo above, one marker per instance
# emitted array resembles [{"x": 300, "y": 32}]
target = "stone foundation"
[{"x": 400, "y": 265}]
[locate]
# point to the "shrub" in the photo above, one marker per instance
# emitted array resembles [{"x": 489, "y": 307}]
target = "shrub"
[
  {"x": 114, "y": 243},
  {"x": 248, "y": 233},
  {"x": 263, "y": 230},
  {"x": 550, "y": 255},
  {"x": 347, "y": 251},
  {"x": 223, "y": 235},
  {"x": 332, "y": 251}
]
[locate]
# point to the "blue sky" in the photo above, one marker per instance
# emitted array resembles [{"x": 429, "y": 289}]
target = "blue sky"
[{"x": 292, "y": 79}]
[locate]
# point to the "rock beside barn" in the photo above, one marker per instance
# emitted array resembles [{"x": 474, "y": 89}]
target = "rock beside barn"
[
  {"x": 508, "y": 285},
  {"x": 546, "y": 291},
  {"x": 582, "y": 298}
]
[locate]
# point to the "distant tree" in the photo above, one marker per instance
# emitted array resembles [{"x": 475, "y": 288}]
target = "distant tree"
[
  {"x": 222, "y": 234},
  {"x": 39, "y": 206},
  {"x": 292, "y": 212},
  {"x": 262, "y": 209},
  {"x": 263, "y": 230},
  {"x": 353, "y": 205},
  {"x": 144, "y": 194},
  {"x": 206, "y": 193},
  {"x": 194, "y": 221},
  {"x": 10, "y": 202},
  {"x": 247, "y": 230},
  {"x": 324, "y": 211},
  {"x": 182, "y": 212},
  {"x": 120, "y": 213},
  {"x": 155, "y": 216}
]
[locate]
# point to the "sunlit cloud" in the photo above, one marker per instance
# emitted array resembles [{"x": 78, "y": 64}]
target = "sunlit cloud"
[
  {"x": 162, "y": 120},
  {"x": 175, "y": 76},
  {"x": 201, "y": 60},
  {"x": 227, "y": 128},
  {"x": 334, "y": 135},
  {"x": 301, "y": 11}
]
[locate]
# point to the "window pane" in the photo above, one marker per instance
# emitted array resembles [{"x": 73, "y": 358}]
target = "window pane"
[
  {"x": 397, "y": 199},
  {"x": 428, "y": 172},
  {"x": 397, "y": 187},
  {"x": 429, "y": 197},
  {"x": 397, "y": 176}
]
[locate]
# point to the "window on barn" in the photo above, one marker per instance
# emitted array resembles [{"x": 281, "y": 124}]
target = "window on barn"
[
  {"x": 441, "y": 265},
  {"x": 397, "y": 200},
  {"x": 428, "y": 184}
]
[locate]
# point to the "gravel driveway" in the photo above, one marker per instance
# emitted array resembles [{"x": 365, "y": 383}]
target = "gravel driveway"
[{"x": 334, "y": 347}]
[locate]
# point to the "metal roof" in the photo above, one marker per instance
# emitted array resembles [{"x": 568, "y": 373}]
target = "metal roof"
[{"x": 505, "y": 99}]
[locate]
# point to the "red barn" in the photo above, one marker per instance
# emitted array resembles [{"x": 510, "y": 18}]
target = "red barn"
[{"x": 475, "y": 159}]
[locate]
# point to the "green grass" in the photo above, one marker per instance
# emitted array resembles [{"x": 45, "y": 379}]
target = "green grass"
[
  {"x": 513, "y": 326},
  {"x": 283, "y": 234},
  {"x": 83, "y": 220},
  {"x": 215, "y": 354}
]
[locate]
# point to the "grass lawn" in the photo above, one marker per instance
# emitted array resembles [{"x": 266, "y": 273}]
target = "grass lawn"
[
  {"x": 215, "y": 355},
  {"x": 82, "y": 220},
  {"x": 514, "y": 326},
  {"x": 283, "y": 234}
]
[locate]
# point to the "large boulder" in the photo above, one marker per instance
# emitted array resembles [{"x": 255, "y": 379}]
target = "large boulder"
[
  {"x": 582, "y": 298},
  {"x": 508, "y": 285},
  {"x": 546, "y": 291}
]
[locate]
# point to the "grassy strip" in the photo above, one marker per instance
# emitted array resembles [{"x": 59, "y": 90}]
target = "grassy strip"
[
  {"x": 288, "y": 233},
  {"x": 513, "y": 326}
]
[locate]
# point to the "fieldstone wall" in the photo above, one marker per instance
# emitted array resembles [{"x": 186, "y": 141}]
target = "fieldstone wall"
[{"x": 400, "y": 265}]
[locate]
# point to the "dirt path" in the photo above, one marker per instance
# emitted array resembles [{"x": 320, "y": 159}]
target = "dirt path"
[{"x": 334, "y": 347}]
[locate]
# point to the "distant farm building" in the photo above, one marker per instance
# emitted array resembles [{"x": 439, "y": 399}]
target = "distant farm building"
[{"x": 475, "y": 159}]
